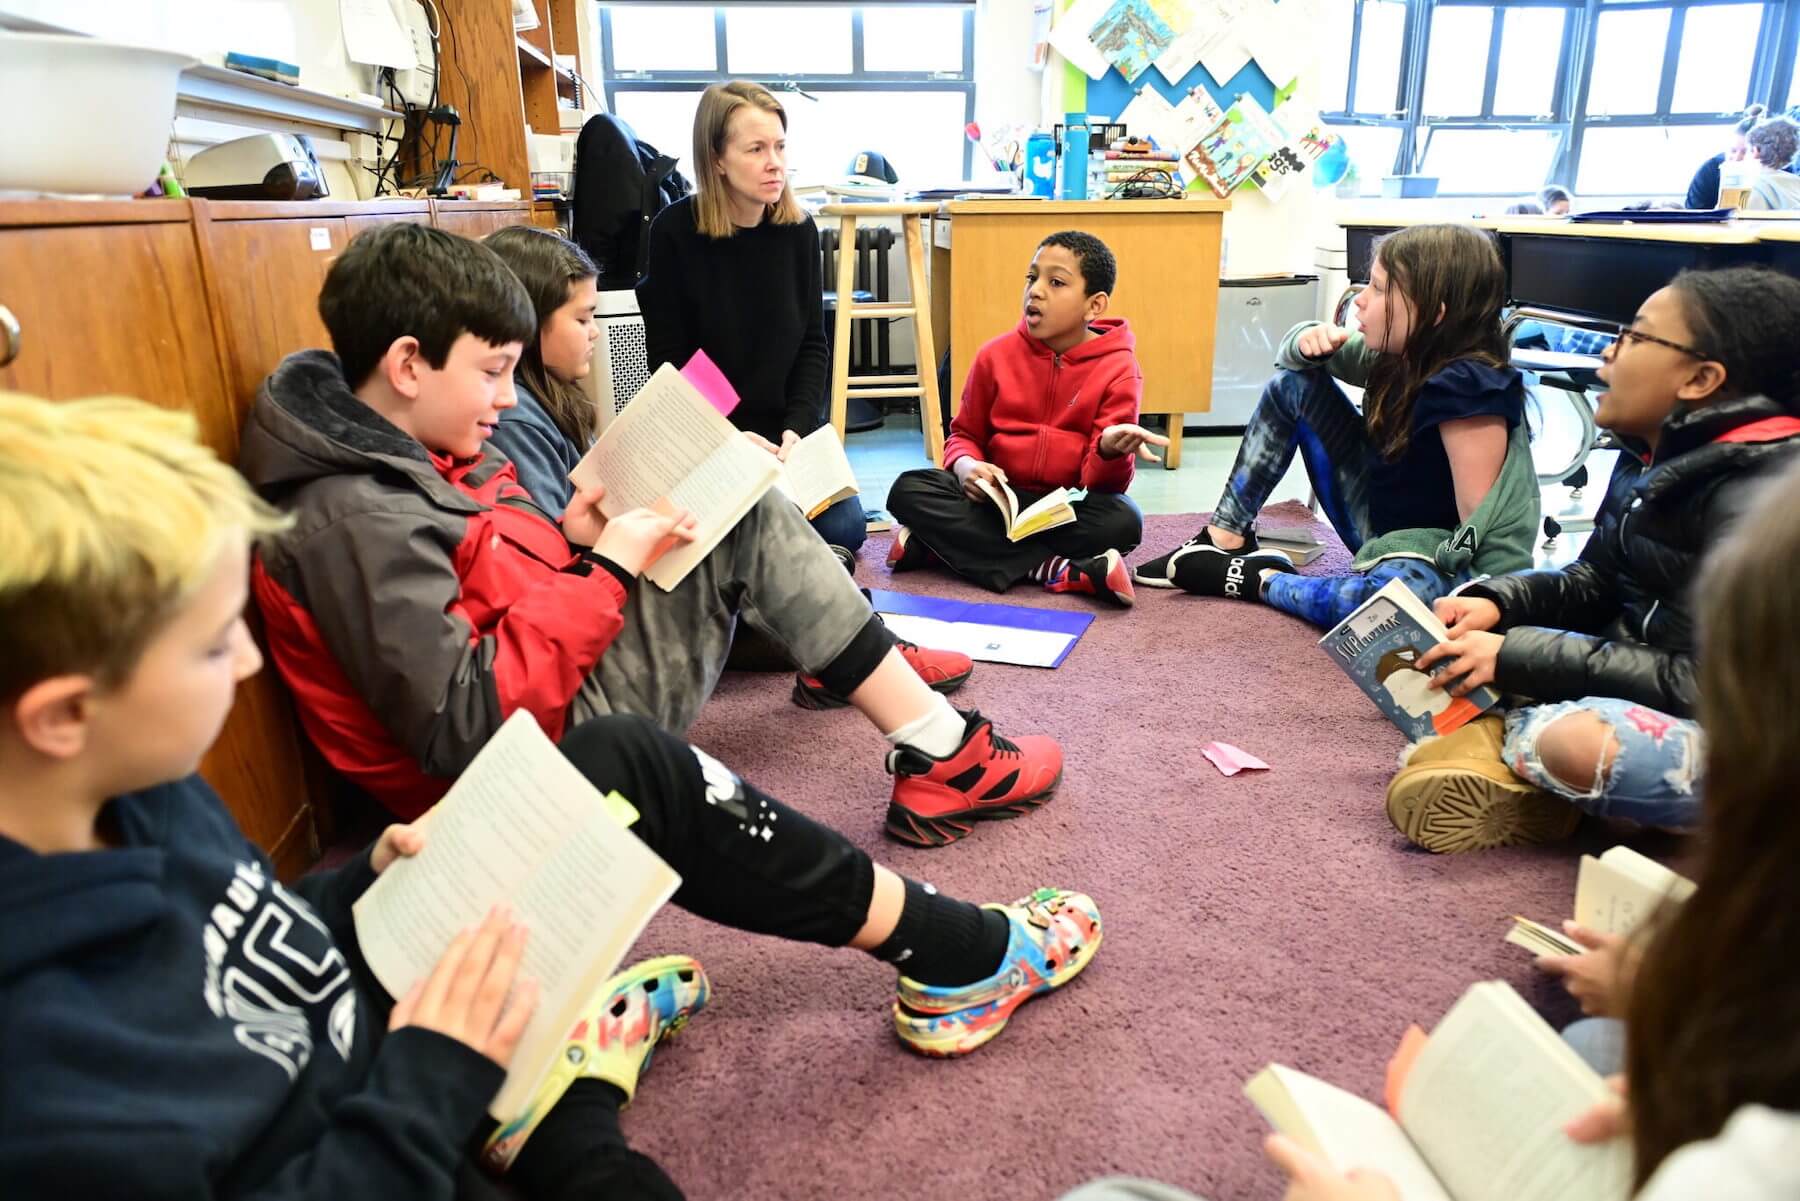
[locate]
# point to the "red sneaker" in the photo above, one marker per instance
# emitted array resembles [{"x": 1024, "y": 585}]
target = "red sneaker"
[
  {"x": 1103, "y": 575},
  {"x": 942, "y": 671},
  {"x": 907, "y": 552},
  {"x": 936, "y": 801}
]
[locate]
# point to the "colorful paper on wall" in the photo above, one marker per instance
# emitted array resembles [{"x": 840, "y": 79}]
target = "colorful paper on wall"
[
  {"x": 1233, "y": 149},
  {"x": 1069, "y": 36},
  {"x": 1291, "y": 160},
  {"x": 1131, "y": 35},
  {"x": 1198, "y": 112},
  {"x": 1149, "y": 115},
  {"x": 1211, "y": 24}
]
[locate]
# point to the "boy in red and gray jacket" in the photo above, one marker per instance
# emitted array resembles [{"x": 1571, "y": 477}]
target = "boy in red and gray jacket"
[{"x": 1053, "y": 404}]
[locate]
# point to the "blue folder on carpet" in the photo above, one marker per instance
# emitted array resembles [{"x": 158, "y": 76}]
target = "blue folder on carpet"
[{"x": 993, "y": 633}]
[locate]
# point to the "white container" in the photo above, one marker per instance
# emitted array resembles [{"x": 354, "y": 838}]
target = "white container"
[{"x": 83, "y": 115}]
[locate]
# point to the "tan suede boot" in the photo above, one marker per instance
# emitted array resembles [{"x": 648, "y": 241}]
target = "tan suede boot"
[{"x": 1457, "y": 794}]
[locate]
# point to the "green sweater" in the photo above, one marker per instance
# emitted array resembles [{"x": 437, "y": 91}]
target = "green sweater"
[{"x": 1498, "y": 535}]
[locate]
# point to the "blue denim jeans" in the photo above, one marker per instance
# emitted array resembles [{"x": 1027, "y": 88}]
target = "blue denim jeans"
[
  {"x": 1306, "y": 411},
  {"x": 843, "y": 524},
  {"x": 1654, "y": 780}
]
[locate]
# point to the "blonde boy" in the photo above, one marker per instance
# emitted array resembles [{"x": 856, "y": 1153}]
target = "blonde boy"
[{"x": 174, "y": 1022}]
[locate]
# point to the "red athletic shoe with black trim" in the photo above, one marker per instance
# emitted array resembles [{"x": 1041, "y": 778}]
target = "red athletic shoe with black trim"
[
  {"x": 907, "y": 553},
  {"x": 937, "y": 801},
  {"x": 1103, "y": 575},
  {"x": 942, "y": 671}
]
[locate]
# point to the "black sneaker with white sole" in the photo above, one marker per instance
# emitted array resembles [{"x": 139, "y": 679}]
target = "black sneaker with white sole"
[
  {"x": 1237, "y": 574},
  {"x": 1154, "y": 573}
]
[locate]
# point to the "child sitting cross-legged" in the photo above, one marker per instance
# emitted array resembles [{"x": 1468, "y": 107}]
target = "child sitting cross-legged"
[
  {"x": 1053, "y": 404},
  {"x": 422, "y": 595},
  {"x": 175, "y": 1023},
  {"x": 1430, "y": 484}
]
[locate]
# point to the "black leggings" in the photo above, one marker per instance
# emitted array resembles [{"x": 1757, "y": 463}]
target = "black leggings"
[{"x": 745, "y": 860}]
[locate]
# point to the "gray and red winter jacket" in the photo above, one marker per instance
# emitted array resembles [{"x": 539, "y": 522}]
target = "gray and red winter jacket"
[{"x": 417, "y": 602}]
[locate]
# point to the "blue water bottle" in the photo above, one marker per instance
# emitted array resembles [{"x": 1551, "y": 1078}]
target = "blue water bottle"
[
  {"x": 1040, "y": 164},
  {"x": 1072, "y": 184}
]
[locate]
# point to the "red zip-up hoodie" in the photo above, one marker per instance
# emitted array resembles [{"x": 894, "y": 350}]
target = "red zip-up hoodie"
[{"x": 1038, "y": 415}]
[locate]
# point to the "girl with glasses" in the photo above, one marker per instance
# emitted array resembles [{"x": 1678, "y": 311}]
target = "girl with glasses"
[{"x": 1702, "y": 392}]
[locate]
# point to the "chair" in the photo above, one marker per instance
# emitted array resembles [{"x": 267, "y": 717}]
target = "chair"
[
  {"x": 871, "y": 285},
  {"x": 921, "y": 381}
]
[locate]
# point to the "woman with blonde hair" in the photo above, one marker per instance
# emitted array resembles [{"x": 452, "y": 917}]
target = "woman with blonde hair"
[{"x": 734, "y": 270}]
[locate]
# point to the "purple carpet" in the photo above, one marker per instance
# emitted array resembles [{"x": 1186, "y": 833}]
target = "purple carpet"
[{"x": 1269, "y": 916}]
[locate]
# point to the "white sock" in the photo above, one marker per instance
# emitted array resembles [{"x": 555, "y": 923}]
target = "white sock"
[{"x": 938, "y": 733}]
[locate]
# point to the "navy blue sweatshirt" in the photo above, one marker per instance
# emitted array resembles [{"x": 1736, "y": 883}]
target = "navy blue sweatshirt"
[
  {"x": 753, "y": 302},
  {"x": 175, "y": 1023}
]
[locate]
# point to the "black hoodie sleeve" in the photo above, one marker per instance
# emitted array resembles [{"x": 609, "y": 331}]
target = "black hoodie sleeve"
[{"x": 401, "y": 1135}]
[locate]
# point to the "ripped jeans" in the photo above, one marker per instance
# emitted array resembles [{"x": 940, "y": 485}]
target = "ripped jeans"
[{"x": 1655, "y": 779}]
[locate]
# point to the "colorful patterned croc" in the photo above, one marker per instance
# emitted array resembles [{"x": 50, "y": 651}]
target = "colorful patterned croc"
[
  {"x": 635, "y": 1011},
  {"x": 1054, "y": 934}
]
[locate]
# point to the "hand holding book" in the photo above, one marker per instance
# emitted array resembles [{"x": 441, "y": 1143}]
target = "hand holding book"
[
  {"x": 1469, "y": 661},
  {"x": 1598, "y": 975}
]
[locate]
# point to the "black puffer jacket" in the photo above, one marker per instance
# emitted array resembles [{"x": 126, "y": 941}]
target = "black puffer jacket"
[{"x": 1617, "y": 622}]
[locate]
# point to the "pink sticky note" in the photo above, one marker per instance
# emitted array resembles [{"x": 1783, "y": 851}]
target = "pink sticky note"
[
  {"x": 705, "y": 375},
  {"x": 1230, "y": 760}
]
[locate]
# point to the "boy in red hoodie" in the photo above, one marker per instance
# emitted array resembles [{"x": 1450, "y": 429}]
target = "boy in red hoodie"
[{"x": 1053, "y": 404}]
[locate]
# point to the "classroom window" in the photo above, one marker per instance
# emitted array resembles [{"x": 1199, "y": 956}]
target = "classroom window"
[
  {"x": 1718, "y": 53},
  {"x": 1381, "y": 48},
  {"x": 1460, "y": 38},
  {"x": 1628, "y": 56},
  {"x": 894, "y": 78},
  {"x": 1530, "y": 61},
  {"x": 1643, "y": 161},
  {"x": 1490, "y": 161},
  {"x": 648, "y": 37}
]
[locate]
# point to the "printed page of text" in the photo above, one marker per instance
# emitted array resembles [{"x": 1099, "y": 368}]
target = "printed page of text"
[{"x": 1486, "y": 1102}]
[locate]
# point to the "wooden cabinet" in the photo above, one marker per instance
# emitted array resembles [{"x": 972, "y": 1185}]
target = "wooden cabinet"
[
  {"x": 115, "y": 303},
  {"x": 110, "y": 298},
  {"x": 479, "y": 218}
]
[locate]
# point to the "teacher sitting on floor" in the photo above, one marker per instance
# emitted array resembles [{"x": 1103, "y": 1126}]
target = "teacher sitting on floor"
[{"x": 734, "y": 270}]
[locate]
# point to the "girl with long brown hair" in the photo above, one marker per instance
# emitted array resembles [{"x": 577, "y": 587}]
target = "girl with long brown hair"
[
  {"x": 547, "y": 432},
  {"x": 1431, "y": 483}
]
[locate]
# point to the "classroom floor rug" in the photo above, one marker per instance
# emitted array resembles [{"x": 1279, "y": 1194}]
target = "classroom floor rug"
[{"x": 1271, "y": 915}]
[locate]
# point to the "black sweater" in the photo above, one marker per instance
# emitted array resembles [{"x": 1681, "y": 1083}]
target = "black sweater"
[
  {"x": 174, "y": 1023},
  {"x": 753, "y": 303}
]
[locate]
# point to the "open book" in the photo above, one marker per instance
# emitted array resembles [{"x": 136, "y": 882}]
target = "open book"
[
  {"x": 1378, "y": 647},
  {"x": 671, "y": 449},
  {"x": 1613, "y": 895},
  {"x": 816, "y": 473},
  {"x": 1046, "y": 513},
  {"x": 1477, "y": 1115},
  {"x": 520, "y": 825}
]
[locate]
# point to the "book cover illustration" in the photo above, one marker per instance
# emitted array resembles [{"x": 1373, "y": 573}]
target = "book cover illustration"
[
  {"x": 1233, "y": 148},
  {"x": 1379, "y": 646}
]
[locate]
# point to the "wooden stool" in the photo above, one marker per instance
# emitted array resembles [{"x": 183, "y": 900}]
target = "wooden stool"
[{"x": 922, "y": 380}]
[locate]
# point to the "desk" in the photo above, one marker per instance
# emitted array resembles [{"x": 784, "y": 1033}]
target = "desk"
[
  {"x": 1781, "y": 243},
  {"x": 1594, "y": 270},
  {"x": 1168, "y": 288}
]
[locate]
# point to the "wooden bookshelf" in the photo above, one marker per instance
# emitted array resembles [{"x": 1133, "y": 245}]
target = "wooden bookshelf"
[{"x": 507, "y": 83}]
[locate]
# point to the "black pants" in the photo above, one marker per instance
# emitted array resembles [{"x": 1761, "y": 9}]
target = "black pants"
[
  {"x": 745, "y": 860},
  {"x": 971, "y": 538}
]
